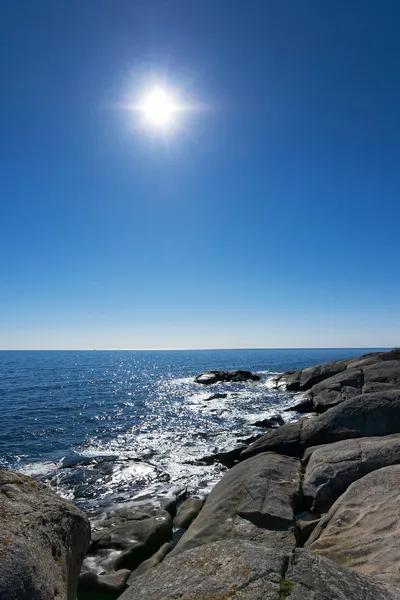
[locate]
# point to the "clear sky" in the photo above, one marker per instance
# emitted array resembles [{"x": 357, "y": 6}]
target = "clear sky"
[{"x": 270, "y": 217}]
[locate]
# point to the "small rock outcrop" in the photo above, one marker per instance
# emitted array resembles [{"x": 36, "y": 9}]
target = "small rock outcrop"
[
  {"x": 210, "y": 377},
  {"x": 43, "y": 540},
  {"x": 253, "y": 501},
  {"x": 362, "y": 529}
]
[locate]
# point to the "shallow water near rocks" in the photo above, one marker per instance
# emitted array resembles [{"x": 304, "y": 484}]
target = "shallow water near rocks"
[{"x": 133, "y": 424}]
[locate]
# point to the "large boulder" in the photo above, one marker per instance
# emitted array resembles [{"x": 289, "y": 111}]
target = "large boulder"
[
  {"x": 367, "y": 415},
  {"x": 244, "y": 570},
  {"x": 362, "y": 529},
  {"x": 43, "y": 540},
  {"x": 331, "y": 468},
  {"x": 253, "y": 501}
]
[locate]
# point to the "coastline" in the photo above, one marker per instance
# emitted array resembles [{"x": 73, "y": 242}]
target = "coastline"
[{"x": 312, "y": 467}]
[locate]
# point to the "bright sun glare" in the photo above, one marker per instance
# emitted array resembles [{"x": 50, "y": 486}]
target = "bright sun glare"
[{"x": 159, "y": 108}]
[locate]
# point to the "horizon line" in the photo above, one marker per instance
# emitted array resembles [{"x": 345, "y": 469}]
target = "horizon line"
[{"x": 194, "y": 349}]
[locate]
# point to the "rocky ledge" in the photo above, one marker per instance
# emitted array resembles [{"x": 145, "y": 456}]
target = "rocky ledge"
[{"x": 308, "y": 512}]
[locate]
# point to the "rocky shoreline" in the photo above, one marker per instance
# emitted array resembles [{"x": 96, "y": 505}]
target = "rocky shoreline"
[{"x": 307, "y": 511}]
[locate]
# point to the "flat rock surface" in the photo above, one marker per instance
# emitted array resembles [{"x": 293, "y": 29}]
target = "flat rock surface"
[
  {"x": 331, "y": 468},
  {"x": 368, "y": 415},
  {"x": 242, "y": 570},
  {"x": 362, "y": 529},
  {"x": 252, "y": 501},
  {"x": 43, "y": 540}
]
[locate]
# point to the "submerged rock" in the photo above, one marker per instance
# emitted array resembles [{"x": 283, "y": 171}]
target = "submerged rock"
[{"x": 43, "y": 540}]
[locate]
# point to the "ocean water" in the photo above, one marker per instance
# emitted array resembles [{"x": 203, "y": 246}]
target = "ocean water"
[{"x": 133, "y": 424}]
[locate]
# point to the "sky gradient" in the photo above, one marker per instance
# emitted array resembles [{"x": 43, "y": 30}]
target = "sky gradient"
[{"x": 270, "y": 218}]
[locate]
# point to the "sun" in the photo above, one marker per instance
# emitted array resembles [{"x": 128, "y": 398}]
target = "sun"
[{"x": 159, "y": 108}]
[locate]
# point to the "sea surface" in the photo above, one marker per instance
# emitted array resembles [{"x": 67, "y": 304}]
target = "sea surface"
[{"x": 105, "y": 427}]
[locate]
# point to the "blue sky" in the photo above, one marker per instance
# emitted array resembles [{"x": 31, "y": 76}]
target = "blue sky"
[{"x": 269, "y": 218}]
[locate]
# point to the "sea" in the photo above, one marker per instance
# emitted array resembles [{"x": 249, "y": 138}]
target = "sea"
[{"x": 106, "y": 427}]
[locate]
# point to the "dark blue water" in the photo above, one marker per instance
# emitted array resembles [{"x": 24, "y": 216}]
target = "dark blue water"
[{"x": 137, "y": 417}]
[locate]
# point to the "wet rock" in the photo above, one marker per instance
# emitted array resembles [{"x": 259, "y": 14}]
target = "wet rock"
[
  {"x": 127, "y": 545},
  {"x": 150, "y": 563},
  {"x": 73, "y": 460},
  {"x": 304, "y": 528},
  {"x": 216, "y": 397},
  {"x": 303, "y": 405},
  {"x": 43, "y": 540},
  {"x": 227, "y": 458},
  {"x": 254, "y": 500},
  {"x": 270, "y": 422},
  {"x": 362, "y": 529},
  {"x": 210, "y": 377},
  {"x": 332, "y": 468},
  {"x": 367, "y": 415},
  {"x": 290, "y": 380},
  {"x": 170, "y": 505},
  {"x": 188, "y": 511},
  {"x": 111, "y": 586}
]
